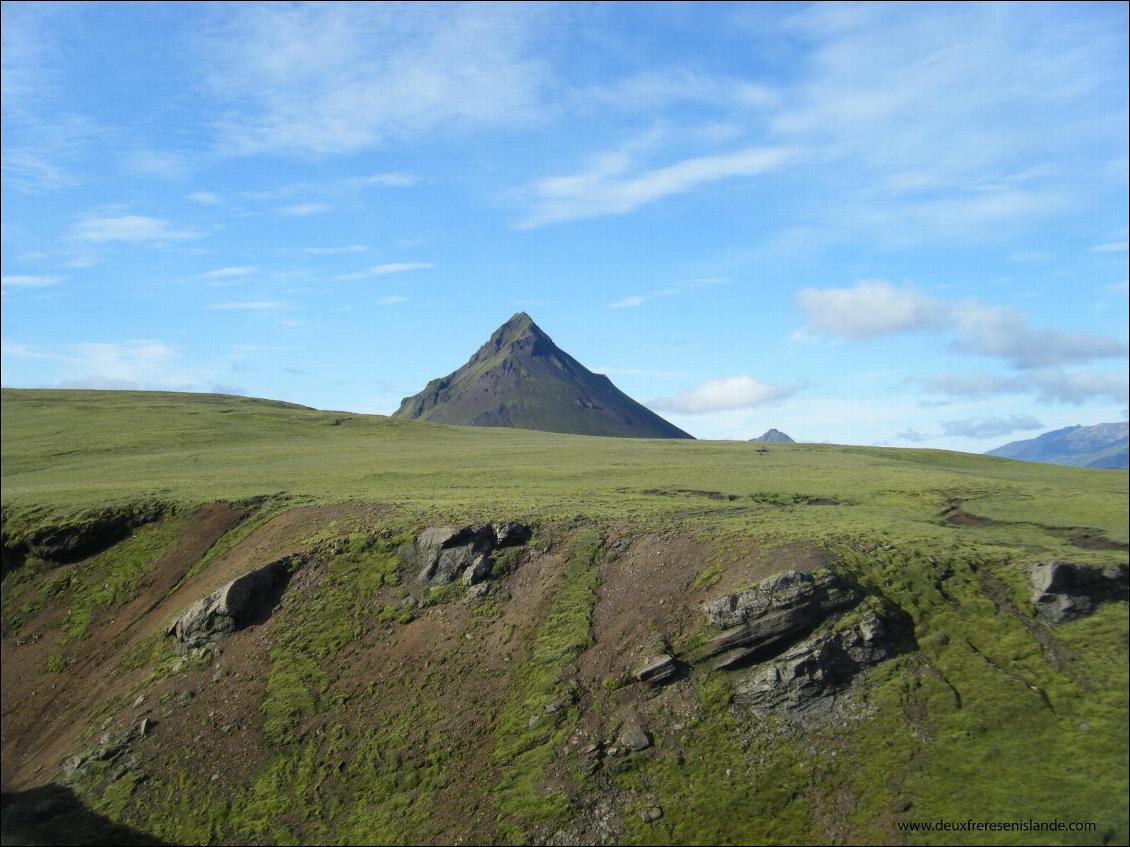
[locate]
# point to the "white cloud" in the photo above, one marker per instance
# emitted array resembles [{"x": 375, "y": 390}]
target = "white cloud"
[
  {"x": 29, "y": 281},
  {"x": 399, "y": 268},
  {"x": 633, "y": 300},
  {"x": 607, "y": 189},
  {"x": 234, "y": 271},
  {"x": 393, "y": 300},
  {"x": 206, "y": 198},
  {"x": 98, "y": 229},
  {"x": 1050, "y": 385},
  {"x": 715, "y": 395},
  {"x": 1111, "y": 247},
  {"x": 382, "y": 180},
  {"x": 870, "y": 309},
  {"x": 385, "y": 270},
  {"x": 875, "y": 308},
  {"x": 990, "y": 427},
  {"x": 303, "y": 210},
  {"x": 338, "y": 78},
  {"x": 628, "y": 302}
]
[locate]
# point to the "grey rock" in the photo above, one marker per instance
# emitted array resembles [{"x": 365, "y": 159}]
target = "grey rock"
[
  {"x": 651, "y": 814},
  {"x": 477, "y": 591},
  {"x": 225, "y": 610},
  {"x": 778, "y": 610},
  {"x": 657, "y": 669},
  {"x": 74, "y": 764},
  {"x": 1063, "y": 591},
  {"x": 478, "y": 570},
  {"x": 443, "y": 553},
  {"x": 634, "y": 737},
  {"x": 510, "y": 533},
  {"x": 816, "y": 669}
]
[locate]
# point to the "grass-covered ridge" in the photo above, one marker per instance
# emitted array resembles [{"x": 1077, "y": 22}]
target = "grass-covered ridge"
[{"x": 73, "y": 450}]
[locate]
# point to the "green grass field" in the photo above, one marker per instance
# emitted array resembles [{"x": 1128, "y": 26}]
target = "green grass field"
[{"x": 974, "y": 721}]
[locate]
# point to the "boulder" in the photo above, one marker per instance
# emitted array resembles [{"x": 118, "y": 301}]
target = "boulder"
[
  {"x": 813, "y": 671},
  {"x": 442, "y": 554},
  {"x": 231, "y": 607},
  {"x": 761, "y": 620},
  {"x": 634, "y": 737},
  {"x": 1063, "y": 591}
]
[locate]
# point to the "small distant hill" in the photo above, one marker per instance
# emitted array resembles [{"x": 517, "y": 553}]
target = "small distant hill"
[
  {"x": 1099, "y": 446},
  {"x": 775, "y": 436},
  {"x": 520, "y": 378}
]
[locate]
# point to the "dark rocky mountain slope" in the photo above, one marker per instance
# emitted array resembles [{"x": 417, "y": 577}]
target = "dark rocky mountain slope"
[{"x": 520, "y": 378}]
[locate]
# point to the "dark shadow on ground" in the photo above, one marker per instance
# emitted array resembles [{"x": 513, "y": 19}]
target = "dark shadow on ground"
[{"x": 53, "y": 814}]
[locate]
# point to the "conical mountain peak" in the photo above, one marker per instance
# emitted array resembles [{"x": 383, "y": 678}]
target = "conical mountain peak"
[{"x": 520, "y": 378}]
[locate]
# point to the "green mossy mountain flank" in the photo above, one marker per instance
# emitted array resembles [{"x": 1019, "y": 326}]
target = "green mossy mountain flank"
[
  {"x": 520, "y": 378},
  {"x": 368, "y": 707}
]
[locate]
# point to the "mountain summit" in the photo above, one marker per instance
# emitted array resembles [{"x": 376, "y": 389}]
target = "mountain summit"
[
  {"x": 774, "y": 436},
  {"x": 520, "y": 378}
]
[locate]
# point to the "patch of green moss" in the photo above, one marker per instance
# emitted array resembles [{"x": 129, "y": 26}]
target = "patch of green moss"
[{"x": 526, "y": 734}]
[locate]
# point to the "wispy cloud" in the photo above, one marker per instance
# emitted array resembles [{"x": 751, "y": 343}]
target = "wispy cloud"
[
  {"x": 990, "y": 427},
  {"x": 875, "y": 308},
  {"x": 106, "y": 228},
  {"x": 29, "y": 281},
  {"x": 303, "y": 210},
  {"x": 400, "y": 267},
  {"x": 1111, "y": 247},
  {"x": 607, "y": 188},
  {"x": 1049, "y": 385},
  {"x": 338, "y": 78},
  {"x": 633, "y": 300},
  {"x": 251, "y": 306},
  {"x": 232, "y": 272},
  {"x": 715, "y": 395},
  {"x": 206, "y": 198},
  {"x": 393, "y": 300},
  {"x": 385, "y": 270}
]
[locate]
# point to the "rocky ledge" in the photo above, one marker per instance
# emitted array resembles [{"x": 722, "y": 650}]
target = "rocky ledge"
[
  {"x": 796, "y": 639},
  {"x": 1063, "y": 591}
]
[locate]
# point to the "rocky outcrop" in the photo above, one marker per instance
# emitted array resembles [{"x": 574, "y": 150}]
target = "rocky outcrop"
[
  {"x": 798, "y": 639},
  {"x": 811, "y": 672},
  {"x": 443, "y": 554},
  {"x": 1063, "y": 591},
  {"x": 779, "y": 610},
  {"x": 235, "y": 605},
  {"x": 658, "y": 669}
]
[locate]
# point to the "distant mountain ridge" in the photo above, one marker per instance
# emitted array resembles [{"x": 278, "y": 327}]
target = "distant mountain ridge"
[
  {"x": 774, "y": 436},
  {"x": 520, "y": 378},
  {"x": 1099, "y": 446}
]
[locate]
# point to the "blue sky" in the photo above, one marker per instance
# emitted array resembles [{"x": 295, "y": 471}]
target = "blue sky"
[{"x": 900, "y": 225}]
